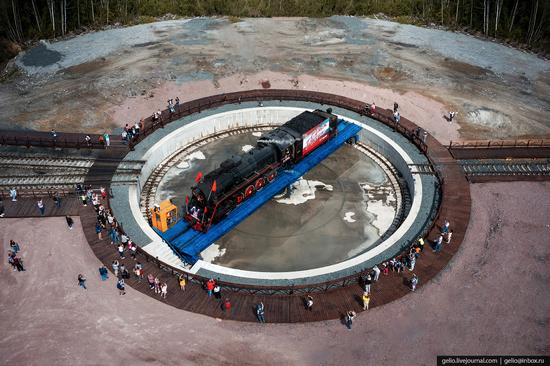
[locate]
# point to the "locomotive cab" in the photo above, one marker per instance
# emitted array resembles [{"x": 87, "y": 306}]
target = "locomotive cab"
[{"x": 196, "y": 211}]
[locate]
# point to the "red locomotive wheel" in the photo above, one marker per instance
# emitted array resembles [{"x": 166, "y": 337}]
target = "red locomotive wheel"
[
  {"x": 271, "y": 176},
  {"x": 249, "y": 191},
  {"x": 239, "y": 198},
  {"x": 260, "y": 183}
]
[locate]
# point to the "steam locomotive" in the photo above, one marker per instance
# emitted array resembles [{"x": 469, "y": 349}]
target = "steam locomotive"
[{"x": 239, "y": 177}]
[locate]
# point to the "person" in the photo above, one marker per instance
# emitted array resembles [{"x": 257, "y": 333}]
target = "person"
[
  {"x": 385, "y": 269},
  {"x": 13, "y": 194},
  {"x": 98, "y": 229},
  {"x": 107, "y": 139},
  {"x": 113, "y": 233},
  {"x": 372, "y": 108},
  {"x": 133, "y": 249},
  {"x": 309, "y": 303},
  {"x": 445, "y": 227},
  {"x": 178, "y": 104},
  {"x": 115, "y": 266},
  {"x": 54, "y": 135},
  {"x": 366, "y": 300},
  {"x": 171, "y": 106},
  {"x": 376, "y": 271},
  {"x": 210, "y": 286},
  {"x": 438, "y": 243},
  {"x": 88, "y": 140},
  {"x": 57, "y": 200},
  {"x": 449, "y": 235},
  {"x": 368, "y": 282},
  {"x": 226, "y": 305},
  {"x": 217, "y": 292},
  {"x": 424, "y": 136},
  {"x": 182, "y": 282},
  {"x": 260, "y": 312},
  {"x": 396, "y": 117},
  {"x": 124, "y": 272},
  {"x": 121, "y": 251},
  {"x": 14, "y": 247},
  {"x": 124, "y": 136},
  {"x": 84, "y": 200},
  {"x": 421, "y": 244},
  {"x": 395, "y": 106},
  {"x": 157, "y": 285},
  {"x": 124, "y": 239},
  {"x": 412, "y": 261},
  {"x": 41, "y": 207},
  {"x": 103, "y": 193},
  {"x": 18, "y": 262},
  {"x": 82, "y": 281},
  {"x": 120, "y": 286},
  {"x": 103, "y": 273},
  {"x": 451, "y": 116},
  {"x": 163, "y": 290},
  {"x": 11, "y": 261},
  {"x": 138, "y": 271},
  {"x": 350, "y": 316},
  {"x": 414, "y": 282},
  {"x": 151, "y": 281}
]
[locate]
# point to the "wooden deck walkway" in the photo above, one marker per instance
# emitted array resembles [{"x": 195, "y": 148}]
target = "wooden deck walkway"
[
  {"x": 333, "y": 304},
  {"x": 27, "y": 207}
]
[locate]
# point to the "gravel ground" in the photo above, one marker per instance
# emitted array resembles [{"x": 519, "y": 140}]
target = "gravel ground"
[
  {"x": 491, "y": 299},
  {"x": 499, "y": 92}
]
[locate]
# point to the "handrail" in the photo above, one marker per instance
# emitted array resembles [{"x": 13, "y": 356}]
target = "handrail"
[
  {"x": 62, "y": 140},
  {"x": 499, "y": 144}
]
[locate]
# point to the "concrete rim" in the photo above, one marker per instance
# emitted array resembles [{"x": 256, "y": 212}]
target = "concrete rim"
[{"x": 332, "y": 270}]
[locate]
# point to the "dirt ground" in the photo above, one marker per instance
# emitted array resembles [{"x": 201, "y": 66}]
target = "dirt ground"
[
  {"x": 102, "y": 80},
  {"x": 491, "y": 299}
]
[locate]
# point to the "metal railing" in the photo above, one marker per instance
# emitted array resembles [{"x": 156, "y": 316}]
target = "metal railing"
[{"x": 485, "y": 144}]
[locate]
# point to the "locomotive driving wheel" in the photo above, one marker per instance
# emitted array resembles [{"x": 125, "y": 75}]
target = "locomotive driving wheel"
[
  {"x": 249, "y": 191},
  {"x": 271, "y": 176},
  {"x": 260, "y": 183}
]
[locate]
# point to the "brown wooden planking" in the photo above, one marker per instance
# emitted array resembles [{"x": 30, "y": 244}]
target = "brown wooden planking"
[
  {"x": 518, "y": 152},
  {"x": 507, "y": 178},
  {"x": 27, "y": 207}
]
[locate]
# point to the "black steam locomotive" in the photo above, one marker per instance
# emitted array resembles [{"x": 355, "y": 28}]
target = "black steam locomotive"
[{"x": 239, "y": 177}]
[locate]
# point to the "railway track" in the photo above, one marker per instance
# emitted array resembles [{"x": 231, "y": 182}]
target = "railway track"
[
  {"x": 33, "y": 172},
  {"x": 505, "y": 167}
]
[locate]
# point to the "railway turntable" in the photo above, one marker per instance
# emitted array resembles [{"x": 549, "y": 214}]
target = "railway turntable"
[{"x": 224, "y": 198}]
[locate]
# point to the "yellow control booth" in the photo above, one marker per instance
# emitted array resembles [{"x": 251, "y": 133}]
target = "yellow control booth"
[{"x": 164, "y": 215}]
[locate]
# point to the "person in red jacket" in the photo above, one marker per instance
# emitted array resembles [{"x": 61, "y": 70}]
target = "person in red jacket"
[
  {"x": 210, "y": 286},
  {"x": 226, "y": 305}
]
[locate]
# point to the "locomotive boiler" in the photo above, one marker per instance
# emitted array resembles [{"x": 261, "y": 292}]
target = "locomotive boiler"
[{"x": 240, "y": 177}]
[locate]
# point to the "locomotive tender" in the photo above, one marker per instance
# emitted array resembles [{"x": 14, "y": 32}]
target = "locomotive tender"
[{"x": 239, "y": 177}]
